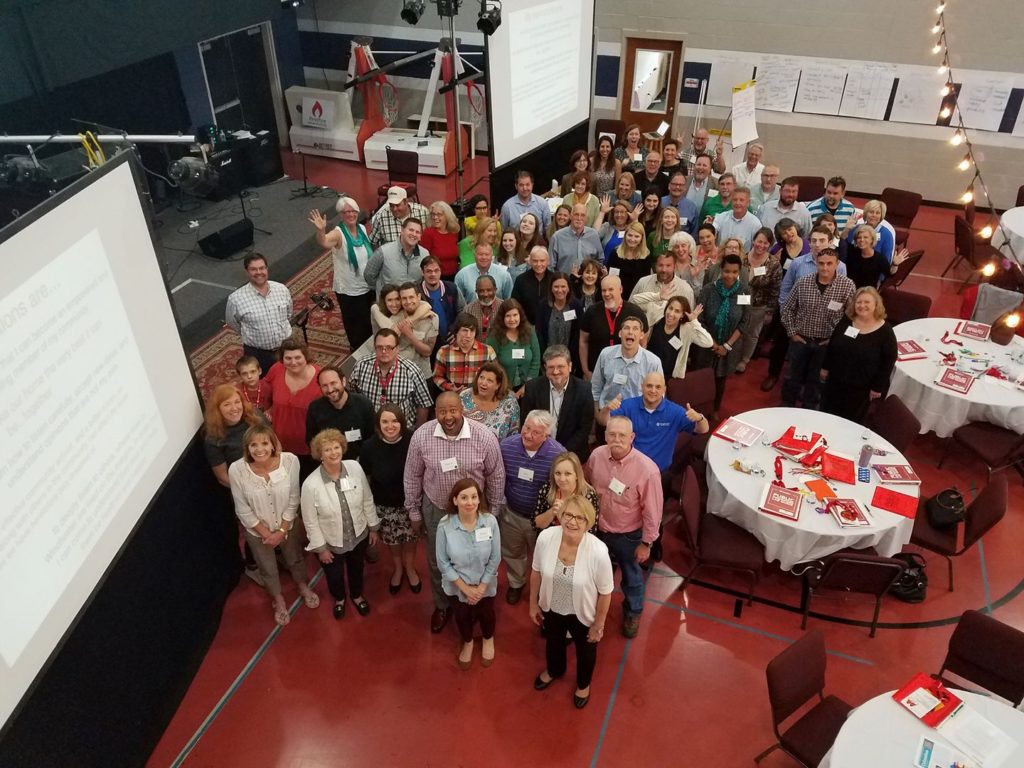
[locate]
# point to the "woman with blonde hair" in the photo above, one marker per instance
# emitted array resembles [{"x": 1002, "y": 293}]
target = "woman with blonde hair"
[
  {"x": 858, "y": 365},
  {"x": 570, "y": 592},
  {"x": 874, "y": 217},
  {"x": 866, "y": 265},
  {"x": 626, "y": 191},
  {"x": 340, "y": 519},
  {"x": 487, "y": 231},
  {"x": 265, "y": 489},
  {"x": 666, "y": 226},
  {"x": 631, "y": 258},
  {"x": 441, "y": 238},
  {"x": 566, "y": 480}
]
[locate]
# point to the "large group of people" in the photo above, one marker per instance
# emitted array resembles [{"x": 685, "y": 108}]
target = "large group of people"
[{"x": 508, "y": 404}]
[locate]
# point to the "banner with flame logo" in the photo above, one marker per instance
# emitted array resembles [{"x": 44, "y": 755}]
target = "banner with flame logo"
[{"x": 317, "y": 113}]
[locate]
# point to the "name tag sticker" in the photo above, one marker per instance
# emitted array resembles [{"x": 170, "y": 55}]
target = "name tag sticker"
[
  {"x": 835, "y": 306},
  {"x": 616, "y": 486},
  {"x": 743, "y": 299},
  {"x": 483, "y": 534},
  {"x": 613, "y": 271},
  {"x": 675, "y": 342},
  {"x": 619, "y": 378},
  {"x": 787, "y": 265},
  {"x": 449, "y": 465},
  {"x": 759, "y": 271},
  {"x": 346, "y": 484},
  {"x": 525, "y": 474},
  {"x": 353, "y": 434},
  {"x": 518, "y": 354},
  {"x": 852, "y": 332},
  {"x": 569, "y": 314},
  {"x": 277, "y": 475}
]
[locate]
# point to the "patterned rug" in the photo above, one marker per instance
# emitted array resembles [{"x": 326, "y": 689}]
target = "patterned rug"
[{"x": 214, "y": 360}]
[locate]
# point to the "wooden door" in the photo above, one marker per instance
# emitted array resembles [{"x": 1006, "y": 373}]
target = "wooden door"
[{"x": 650, "y": 83}]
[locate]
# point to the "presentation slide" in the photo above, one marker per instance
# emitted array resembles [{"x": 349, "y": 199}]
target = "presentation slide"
[
  {"x": 97, "y": 403},
  {"x": 539, "y": 70}
]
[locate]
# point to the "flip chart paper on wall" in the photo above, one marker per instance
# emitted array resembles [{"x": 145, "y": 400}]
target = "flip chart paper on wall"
[
  {"x": 821, "y": 88},
  {"x": 1018, "y": 129},
  {"x": 777, "y": 81},
  {"x": 744, "y": 127},
  {"x": 982, "y": 100},
  {"x": 868, "y": 87},
  {"x": 726, "y": 73},
  {"x": 918, "y": 99}
]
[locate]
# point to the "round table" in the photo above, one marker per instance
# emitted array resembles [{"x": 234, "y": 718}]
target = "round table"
[
  {"x": 1013, "y": 223},
  {"x": 942, "y": 410},
  {"x": 881, "y": 734},
  {"x": 736, "y": 495}
]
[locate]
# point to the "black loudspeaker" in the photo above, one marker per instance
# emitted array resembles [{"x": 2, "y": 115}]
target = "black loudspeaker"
[
  {"x": 227, "y": 241},
  {"x": 262, "y": 159},
  {"x": 229, "y": 164}
]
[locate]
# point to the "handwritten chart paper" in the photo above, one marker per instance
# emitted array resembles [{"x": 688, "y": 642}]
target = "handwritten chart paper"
[
  {"x": 867, "y": 92},
  {"x": 777, "y": 81},
  {"x": 744, "y": 127},
  {"x": 982, "y": 101},
  {"x": 821, "y": 89},
  {"x": 726, "y": 73},
  {"x": 918, "y": 99}
]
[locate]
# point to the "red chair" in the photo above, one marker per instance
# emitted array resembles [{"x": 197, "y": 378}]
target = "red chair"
[
  {"x": 896, "y": 423},
  {"x": 996, "y": 446},
  {"x": 901, "y": 306},
  {"x": 811, "y": 188},
  {"x": 901, "y": 207},
  {"x": 1020, "y": 196},
  {"x": 852, "y": 572},
  {"x": 714, "y": 541},
  {"x": 982, "y": 515},
  {"x": 903, "y": 271},
  {"x": 403, "y": 171},
  {"x": 697, "y": 389},
  {"x": 988, "y": 653},
  {"x": 795, "y": 677}
]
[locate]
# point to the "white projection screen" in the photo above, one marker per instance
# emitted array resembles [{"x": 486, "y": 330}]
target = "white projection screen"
[
  {"x": 97, "y": 404},
  {"x": 540, "y": 65}
]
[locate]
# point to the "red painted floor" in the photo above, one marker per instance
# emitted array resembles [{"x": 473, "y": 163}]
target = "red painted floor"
[{"x": 689, "y": 690}]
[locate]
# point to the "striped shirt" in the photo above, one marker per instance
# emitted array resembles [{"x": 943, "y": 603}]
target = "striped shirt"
[
  {"x": 406, "y": 389},
  {"x": 431, "y": 471},
  {"x": 843, "y": 211},
  {"x": 525, "y": 475},
  {"x": 262, "y": 321}
]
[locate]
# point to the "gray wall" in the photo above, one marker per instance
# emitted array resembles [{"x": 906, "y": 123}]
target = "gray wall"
[{"x": 982, "y": 36}]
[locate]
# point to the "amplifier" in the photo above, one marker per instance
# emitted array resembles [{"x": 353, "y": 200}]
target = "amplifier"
[{"x": 227, "y": 241}]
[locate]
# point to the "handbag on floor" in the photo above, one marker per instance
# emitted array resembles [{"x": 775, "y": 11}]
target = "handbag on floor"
[
  {"x": 945, "y": 509},
  {"x": 912, "y": 584}
]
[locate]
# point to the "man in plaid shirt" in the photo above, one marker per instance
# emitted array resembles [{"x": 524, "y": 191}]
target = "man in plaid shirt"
[
  {"x": 810, "y": 314},
  {"x": 458, "y": 362},
  {"x": 384, "y": 377},
  {"x": 386, "y": 224}
]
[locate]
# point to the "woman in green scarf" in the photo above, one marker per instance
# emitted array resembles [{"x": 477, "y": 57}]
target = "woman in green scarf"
[
  {"x": 350, "y": 250},
  {"x": 726, "y": 318}
]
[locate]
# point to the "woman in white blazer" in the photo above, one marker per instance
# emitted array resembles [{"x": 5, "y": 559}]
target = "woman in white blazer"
[
  {"x": 571, "y": 590},
  {"x": 340, "y": 519}
]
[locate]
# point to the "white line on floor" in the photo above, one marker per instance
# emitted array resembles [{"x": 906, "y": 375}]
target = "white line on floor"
[{"x": 177, "y": 288}]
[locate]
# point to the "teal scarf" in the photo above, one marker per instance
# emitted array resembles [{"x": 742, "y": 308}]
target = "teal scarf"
[
  {"x": 362, "y": 240},
  {"x": 722, "y": 330}
]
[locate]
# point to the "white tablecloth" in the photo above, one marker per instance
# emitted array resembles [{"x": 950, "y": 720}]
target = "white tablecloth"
[
  {"x": 942, "y": 410},
  {"x": 881, "y": 734},
  {"x": 1013, "y": 223},
  {"x": 735, "y": 495}
]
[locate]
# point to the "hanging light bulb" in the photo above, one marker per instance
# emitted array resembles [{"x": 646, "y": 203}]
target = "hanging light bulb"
[
  {"x": 943, "y": 68},
  {"x": 945, "y": 90},
  {"x": 964, "y": 164},
  {"x": 957, "y": 139},
  {"x": 945, "y": 112},
  {"x": 986, "y": 231},
  {"x": 967, "y": 196},
  {"x": 936, "y": 29},
  {"x": 940, "y": 8},
  {"x": 937, "y": 48},
  {"x": 989, "y": 269}
]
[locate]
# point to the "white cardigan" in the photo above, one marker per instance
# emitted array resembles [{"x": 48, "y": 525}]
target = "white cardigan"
[
  {"x": 261, "y": 501},
  {"x": 321, "y": 510},
  {"x": 591, "y": 576}
]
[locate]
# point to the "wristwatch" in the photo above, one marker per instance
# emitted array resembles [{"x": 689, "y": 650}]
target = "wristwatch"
[{"x": 646, "y": 544}]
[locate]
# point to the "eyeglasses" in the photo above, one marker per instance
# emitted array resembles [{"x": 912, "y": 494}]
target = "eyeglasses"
[
  {"x": 384, "y": 348},
  {"x": 570, "y": 516}
]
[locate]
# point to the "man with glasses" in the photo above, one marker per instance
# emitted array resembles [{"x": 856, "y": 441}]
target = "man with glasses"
[
  {"x": 386, "y": 224},
  {"x": 387, "y": 378}
]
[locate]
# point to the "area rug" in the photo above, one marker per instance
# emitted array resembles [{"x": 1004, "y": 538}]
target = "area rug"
[{"x": 214, "y": 360}]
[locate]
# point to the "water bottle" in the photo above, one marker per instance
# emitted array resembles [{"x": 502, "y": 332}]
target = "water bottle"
[{"x": 865, "y": 455}]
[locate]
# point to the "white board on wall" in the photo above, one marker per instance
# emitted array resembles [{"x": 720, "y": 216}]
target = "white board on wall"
[
  {"x": 918, "y": 99},
  {"x": 726, "y": 73},
  {"x": 867, "y": 92},
  {"x": 821, "y": 88},
  {"x": 982, "y": 99},
  {"x": 777, "y": 81}
]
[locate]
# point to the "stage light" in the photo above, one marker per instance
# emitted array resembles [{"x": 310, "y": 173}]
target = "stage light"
[
  {"x": 412, "y": 10},
  {"x": 292, "y": 3},
  {"x": 490, "y": 18}
]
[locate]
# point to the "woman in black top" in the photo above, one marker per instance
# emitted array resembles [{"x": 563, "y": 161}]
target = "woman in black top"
[
  {"x": 672, "y": 336},
  {"x": 382, "y": 458},
  {"x": 586, "y": 287},
  {"x": 558, "y": 318},
  {"x": 859, "y": 359},
  {"x": 864, "y": 265},
  {"x": 632, "y": 258}
]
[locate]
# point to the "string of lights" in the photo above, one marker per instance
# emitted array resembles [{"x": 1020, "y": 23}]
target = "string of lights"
[{"x": 961, "y": 136}]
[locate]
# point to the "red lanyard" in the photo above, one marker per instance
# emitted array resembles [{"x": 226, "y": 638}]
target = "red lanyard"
[
  {"x": 485, "y": 317},
  {"x": 259, "y": 395},
  {"x": 611, "y": 324},
  {"x": 384, "y": 382}
]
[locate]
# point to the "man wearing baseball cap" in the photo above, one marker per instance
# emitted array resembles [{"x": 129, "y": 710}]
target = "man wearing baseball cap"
[{"x": 386, "y": 224}]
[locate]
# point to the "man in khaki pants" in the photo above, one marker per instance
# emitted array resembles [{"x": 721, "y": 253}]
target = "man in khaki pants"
[{"x": 527, "y": 457}]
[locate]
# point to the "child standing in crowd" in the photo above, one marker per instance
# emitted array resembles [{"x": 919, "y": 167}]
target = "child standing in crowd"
[{"x": 252, "y": 388}]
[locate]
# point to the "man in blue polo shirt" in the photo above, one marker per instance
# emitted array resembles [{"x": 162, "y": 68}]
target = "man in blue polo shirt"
[{"x": 658, "y": 422}]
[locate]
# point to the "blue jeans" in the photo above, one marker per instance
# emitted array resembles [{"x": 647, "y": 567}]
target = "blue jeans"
[
  {"x": 802, "y": 381},
  {"x": 622, "y": 547}
]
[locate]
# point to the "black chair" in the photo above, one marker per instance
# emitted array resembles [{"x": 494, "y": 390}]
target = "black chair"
[
  {"x": 967, "y": 248},
  {"x": 811, "y": 188},
  {"x": 901, "y": 207},
  {"x": 403, "y": 171},
  {"x": 903, "y": 271},
  {"x": 1020, "y": 196},
  {"x": 697, "y": 389},
  {"x": 615, "y": 127},
  {"x": 982, "y": 515},
  {"x": 901, "y": 306},
  {"x": 987, "y": 653},
  {"x": 896, "y": 423},
  {"x": 795, "y": 677},
  {"x": 851, "y": 572},
  {"x": 715, "y": 542}
]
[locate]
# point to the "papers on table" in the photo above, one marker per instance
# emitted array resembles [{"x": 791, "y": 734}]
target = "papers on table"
[
  {"x": 891, "y": 501},
  {"x": 928, "y": 699},
  {"x": 932, "y": 753},
  {"x": 737, "y": 431},
  {"x": 976, "y": 331},
  {"x": 971, "y": 733},
  {"x": 780, "y": 501},
  {"x": 954, "y": 380},
  {"x": 910, "y": 350},
  {"x": 896, "y": 474},
  {"x": 849, "y": 513},
  {"x": 836, "y": 466}
]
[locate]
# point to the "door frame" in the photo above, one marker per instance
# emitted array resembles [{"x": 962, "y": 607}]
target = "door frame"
[{"x": 628, "y": 34}]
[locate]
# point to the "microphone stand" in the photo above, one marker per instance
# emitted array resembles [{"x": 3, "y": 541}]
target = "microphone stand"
[
  {"x": 245, "y": 215},
  {"x": 306, "y": 190}
]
